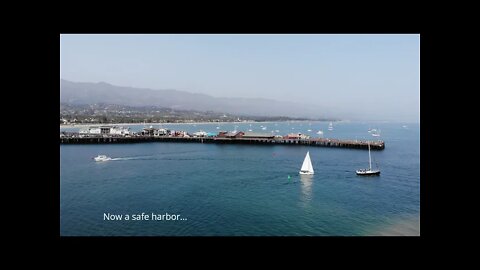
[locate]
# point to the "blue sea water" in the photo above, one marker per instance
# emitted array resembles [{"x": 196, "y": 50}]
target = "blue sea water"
[{"x": 245, "y": 190}]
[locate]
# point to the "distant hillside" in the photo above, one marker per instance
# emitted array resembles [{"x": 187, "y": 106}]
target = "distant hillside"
[
  {"x": 91, "y": 93},
  {"x": 113, "y": 113}
]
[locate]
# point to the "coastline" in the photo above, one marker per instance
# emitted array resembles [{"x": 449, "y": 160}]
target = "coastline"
[{"x": 189, "y": 123}]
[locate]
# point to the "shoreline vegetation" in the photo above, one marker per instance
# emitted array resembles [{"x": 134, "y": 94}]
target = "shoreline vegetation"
[{"x": 113, "y": 114}]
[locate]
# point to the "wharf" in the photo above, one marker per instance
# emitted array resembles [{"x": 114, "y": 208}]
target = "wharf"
[{"x": 322, "y": 142}]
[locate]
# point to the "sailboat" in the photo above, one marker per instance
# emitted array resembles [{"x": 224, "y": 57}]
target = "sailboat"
[
  {"x": 375, "y": 133},
  {"x": 330, "y": 126},
  {"x": 307, "y": 167},
  {"x": 368, "y": 171}
]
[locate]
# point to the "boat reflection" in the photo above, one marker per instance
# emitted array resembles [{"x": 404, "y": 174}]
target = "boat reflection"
[{"x": 307, "y": 181}]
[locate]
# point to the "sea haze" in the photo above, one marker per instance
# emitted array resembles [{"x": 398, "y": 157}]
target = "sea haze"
[{"x": 91, "y": 93}]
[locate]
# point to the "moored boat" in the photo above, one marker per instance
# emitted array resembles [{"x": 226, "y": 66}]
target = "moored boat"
[{"x": 368, "y": 171}]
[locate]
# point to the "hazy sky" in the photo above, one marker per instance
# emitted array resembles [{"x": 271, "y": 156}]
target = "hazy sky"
[{"x": 369, "y": 77}]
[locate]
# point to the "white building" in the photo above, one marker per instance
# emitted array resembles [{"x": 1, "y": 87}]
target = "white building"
[
  {"x": 84, "y": 131},
  {"x": 105, "y": 130},
  {"x": 94, "y": 130},
  {"x": 119, "y": 131},
  {"x": 298, "y": 136},
  {"x": 200, "y": 134},
  {"x": 90, "y": 130},
  {"x": 160, "y": 132}
]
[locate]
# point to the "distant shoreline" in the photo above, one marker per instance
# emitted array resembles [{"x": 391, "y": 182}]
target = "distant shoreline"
[{"x": 191, "y": 123}]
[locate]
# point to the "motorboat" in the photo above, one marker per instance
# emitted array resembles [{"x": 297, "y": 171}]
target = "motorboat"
[{"x": 102, "y": 158}]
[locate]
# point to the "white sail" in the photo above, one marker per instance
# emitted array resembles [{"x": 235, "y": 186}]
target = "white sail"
[
  {"x": 330, "y": 126},
  {"x": 307, "y": 165}
]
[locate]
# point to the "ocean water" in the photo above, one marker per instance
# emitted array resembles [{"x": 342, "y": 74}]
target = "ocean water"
[{"x": 244, "y": 190}]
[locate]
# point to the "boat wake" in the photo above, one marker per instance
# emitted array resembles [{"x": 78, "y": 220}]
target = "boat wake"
[
  {"x": 132, "y": 158},
  {"x": 158, "y": 156}
]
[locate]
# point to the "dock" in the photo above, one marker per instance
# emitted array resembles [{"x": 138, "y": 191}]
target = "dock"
[{"x": 320, "y": 142}]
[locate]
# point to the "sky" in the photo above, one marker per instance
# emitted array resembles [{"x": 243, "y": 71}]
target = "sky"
[{"x": 357, "y": 77}]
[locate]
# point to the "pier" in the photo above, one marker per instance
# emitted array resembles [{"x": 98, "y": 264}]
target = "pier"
[{"x": 320, "y": 142}]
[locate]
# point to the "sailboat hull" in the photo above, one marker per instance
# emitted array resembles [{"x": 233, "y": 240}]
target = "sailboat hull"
[
  {"x": 302, "y": 172},
  {"x": 368, "y": 172}
]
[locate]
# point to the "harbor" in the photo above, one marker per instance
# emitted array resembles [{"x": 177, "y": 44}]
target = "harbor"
[
  {"x": 194, "y": 179},
  {"x": 236, "y": 135}
]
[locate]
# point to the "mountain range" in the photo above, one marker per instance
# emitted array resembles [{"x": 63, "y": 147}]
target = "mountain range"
[{"x": 92, "y": 93}]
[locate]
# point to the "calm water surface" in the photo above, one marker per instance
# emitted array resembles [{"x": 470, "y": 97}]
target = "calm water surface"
[{"x": 245, "y": 190}]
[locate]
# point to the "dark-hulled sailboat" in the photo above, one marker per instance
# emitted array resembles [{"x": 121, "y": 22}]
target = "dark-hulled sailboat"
[{"x": 368, "y": 171}]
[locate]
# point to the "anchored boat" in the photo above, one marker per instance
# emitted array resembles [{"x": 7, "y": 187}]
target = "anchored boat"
[{"x": 368, "y": 171}]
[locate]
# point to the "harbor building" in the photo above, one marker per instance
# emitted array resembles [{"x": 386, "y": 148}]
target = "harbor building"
[{"x": 103, "y": 130}]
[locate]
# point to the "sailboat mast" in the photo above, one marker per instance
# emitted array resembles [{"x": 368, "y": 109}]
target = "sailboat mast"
[{"x": 369, "y": 157}]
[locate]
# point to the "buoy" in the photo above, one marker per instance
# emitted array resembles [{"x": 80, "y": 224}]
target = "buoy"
[{"x": 289, "y": 177}]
